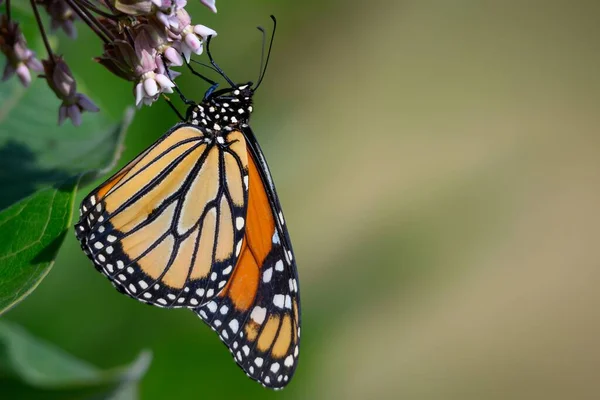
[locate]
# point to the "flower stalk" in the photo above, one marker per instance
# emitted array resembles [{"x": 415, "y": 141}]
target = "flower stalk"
[
  {"x": 41, "y": 28},
  {"x": 142, "y": 41}
]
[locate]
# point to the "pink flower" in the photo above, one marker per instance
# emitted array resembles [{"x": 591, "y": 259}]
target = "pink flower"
[
  {"x": 210, "y": 4},
  {"x": 61, "y": 81},
  {"x": 61, "y": 16},
  {"x": 20, "y": 60},
  {"x": 191, "y": 36}
]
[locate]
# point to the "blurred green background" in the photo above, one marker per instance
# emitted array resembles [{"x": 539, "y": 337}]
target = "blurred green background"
[{"x": 438, "y": 167}]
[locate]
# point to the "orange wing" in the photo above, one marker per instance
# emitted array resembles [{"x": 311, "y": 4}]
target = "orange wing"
[
  {"x": 257, "y": 315},
  {"x": 168, "y": 228}
]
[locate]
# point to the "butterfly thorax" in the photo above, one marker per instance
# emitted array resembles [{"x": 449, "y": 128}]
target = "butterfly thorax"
[{"x": 224, "y": 110}]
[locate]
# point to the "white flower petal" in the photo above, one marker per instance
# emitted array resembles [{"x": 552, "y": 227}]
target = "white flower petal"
[
  {"x": 186, "y": 53},
  {"x": 173, "y": 56},
  {"x": 193, "y": 43},
  {"x": 139, "y": 94},
  {"x": 150, "y": 87},
  {"x": 204, "y": 31},
  {"x": 210, "y": 4},
  {"x": 164, "y": 81}
]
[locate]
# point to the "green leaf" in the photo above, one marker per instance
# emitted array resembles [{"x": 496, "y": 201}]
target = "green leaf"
[
  {"x": 41, "y": 165},
  {"x": 36, "y": 153},
  {"x": 31, "y": 368},
  {"x": 31, "y": 232}
]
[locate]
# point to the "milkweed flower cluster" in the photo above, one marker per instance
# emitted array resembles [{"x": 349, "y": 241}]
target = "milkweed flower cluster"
[
  {"x": 142, "y": 40},
  {"x": 20, "y": 60}
]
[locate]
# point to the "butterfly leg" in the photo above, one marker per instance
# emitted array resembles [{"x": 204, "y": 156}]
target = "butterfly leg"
[
  {"x": 181, "y": 95},
  {"x": 173, "y": 107},
  {"x": 214, "y": 85}
]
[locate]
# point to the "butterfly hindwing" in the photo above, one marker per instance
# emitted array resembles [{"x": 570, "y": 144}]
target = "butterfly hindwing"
[
  {"x": 257, "y": 315},
  {"x": 168, "y": 228}
]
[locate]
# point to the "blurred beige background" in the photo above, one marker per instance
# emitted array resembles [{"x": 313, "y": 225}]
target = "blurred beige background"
[{"x": 452, "y": 149}]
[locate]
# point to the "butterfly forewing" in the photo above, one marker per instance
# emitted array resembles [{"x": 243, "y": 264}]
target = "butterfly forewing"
[
  {"x": 257, "y": 315},
  {"x": 168, "y": 228}
]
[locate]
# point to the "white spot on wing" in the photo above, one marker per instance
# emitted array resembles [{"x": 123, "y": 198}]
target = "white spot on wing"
[
  {"x": 239, "y": 223},
  {"x": 234, "y": 325},
  {"x": 212, "y": 306},
  {"x": 279, "y": 300},
  {"x": 279, "y": 266},
  {"x": 289, "y": 361},
  {"x": 267, "y": 275},
  {"x": 258, "y": 314},
  {"x": 288, "y": 301}
]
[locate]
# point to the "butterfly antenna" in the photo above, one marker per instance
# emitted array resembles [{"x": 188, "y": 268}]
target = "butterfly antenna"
[
  {"x": 264, "y": 70},
  {"x": 215, "y": 65},
  {"x": 262, "y": 52},
  {"x": 204, "y": 65}
]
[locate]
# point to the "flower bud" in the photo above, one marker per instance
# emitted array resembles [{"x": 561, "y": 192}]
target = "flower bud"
[
  {"x": 210, "y": 4},
  {"x": 61, "y": 16},
  {"x": 23, "y": 74},
  {"x": 204, "y": 31},
  {"x": 165, "y": 83},
  {"x": 20, "y": 60},
  {"x": 192, "y": 41},
  {"x": 150, "y": 87},
  {"x": 63, "y": 84},
  {"x": 134, "y": 7},
  {"x": 172, "y": 55}
]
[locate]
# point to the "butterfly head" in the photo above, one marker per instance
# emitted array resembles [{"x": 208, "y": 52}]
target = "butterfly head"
[
  {"x": 225, "y": 109},
  {"x": 230, "y": 108}
]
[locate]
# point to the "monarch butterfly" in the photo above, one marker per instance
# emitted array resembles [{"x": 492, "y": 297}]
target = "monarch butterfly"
[{"x": 195, "y": 222}]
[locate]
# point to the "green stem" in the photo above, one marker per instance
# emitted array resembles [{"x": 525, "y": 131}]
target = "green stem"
[{"x": 42, "y": 31}]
